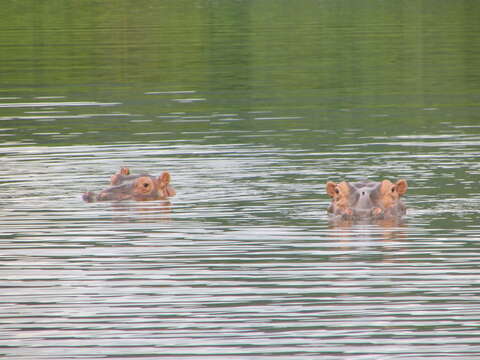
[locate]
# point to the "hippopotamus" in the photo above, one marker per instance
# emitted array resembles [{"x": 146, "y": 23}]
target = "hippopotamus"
[
  {"x": 142, "y": 187},
  {"x": 367, "y": 199}
]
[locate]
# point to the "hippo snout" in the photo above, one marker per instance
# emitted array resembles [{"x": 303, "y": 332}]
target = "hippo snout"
[
  {"x": 115, "y": 193},
  {"x": 89, "y": 196}
]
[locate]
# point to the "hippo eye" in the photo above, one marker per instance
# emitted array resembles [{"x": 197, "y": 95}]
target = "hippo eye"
[{"x": 145, "y": 185}]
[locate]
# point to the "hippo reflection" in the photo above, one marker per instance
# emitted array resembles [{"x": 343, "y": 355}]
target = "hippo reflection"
[
  {"x": 367, "y": 199},
  {"x": 141, "y": 187}
]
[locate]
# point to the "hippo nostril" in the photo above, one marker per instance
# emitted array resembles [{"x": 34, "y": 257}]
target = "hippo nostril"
[{"x": 363, "y": 193}]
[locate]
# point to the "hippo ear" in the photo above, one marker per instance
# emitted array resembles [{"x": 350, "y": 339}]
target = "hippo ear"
[
  {"x": 125, "y": 171},
  {"x": 117, "y": 178},
  {"x": 164, "y": 179},
  {"x": 164, "y": 184},
  {"x": 401, "y": 186},
  {"x": 331, "y": 188}
]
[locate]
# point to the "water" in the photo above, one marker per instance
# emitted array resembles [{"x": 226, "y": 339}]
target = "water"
[{"x": 252, "y": 107}]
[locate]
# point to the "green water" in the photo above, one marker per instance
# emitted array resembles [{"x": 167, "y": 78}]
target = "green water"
[
  {"x": 252, "y": 106},
  {"x": 300, "y": 58}
]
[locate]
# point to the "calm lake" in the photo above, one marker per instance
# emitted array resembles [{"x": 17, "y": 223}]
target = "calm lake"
[{"x": 252, "y": 106}]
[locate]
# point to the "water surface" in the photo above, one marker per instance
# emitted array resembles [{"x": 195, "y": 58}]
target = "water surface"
[{"x": 252, "y": 107}]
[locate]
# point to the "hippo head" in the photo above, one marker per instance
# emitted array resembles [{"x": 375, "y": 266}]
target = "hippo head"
[
  {"x": 367, "y": 199},
  {"x": 140, "y": 188}
]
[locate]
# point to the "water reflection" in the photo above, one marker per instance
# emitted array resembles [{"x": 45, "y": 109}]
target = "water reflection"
[
  {"x": 386, "y": 234},
  {"x": 158, "y": 210},
  {"x": 391, "y": 222},
  {"x": 245, "y": 249}
]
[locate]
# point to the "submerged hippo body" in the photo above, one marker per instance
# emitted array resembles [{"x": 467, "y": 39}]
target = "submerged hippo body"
[
  {"x": 141, "y": 187},
  {"x": 367, "y": 199}
]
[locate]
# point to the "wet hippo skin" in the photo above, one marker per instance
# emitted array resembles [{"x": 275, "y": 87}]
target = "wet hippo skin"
[
  {"x": 142, "y": 187},
  {"x": 367, "y": 199}
]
